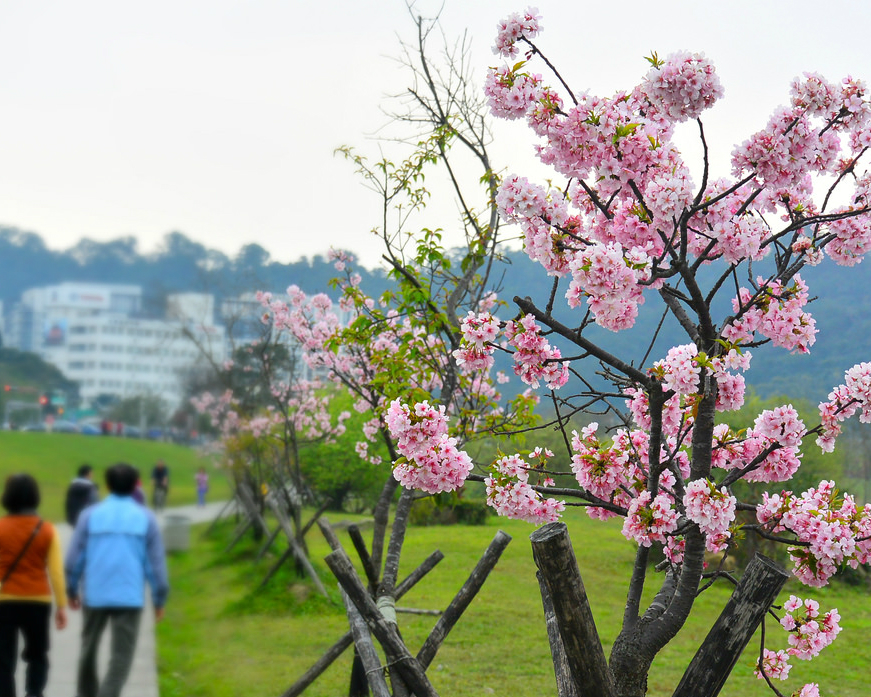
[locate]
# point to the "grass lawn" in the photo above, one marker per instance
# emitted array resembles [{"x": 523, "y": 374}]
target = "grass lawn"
[
  {"x": 53, "y": 459},
  {"x": 223, "y": 639}
]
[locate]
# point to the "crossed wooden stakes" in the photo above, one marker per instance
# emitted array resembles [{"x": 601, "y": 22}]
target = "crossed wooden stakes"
[
  {"x": 253, "y": 517},
  {"x": 579, "y": 661},
  {"x": 580, "y": 666},
  {"x": 372, "y": 612}
]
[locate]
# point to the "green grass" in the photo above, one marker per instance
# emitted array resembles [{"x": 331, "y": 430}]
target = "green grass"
[
  {"x": 53, "y": 459},
  {"x": 221, "y": 639}
]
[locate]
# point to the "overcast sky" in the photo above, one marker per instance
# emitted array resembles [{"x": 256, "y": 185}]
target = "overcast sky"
[{"x": 219, "y": 118}]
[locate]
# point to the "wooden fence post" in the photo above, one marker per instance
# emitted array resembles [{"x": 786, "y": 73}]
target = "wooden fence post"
[
  {"x": 386, "y": 632},
  {"x": 339, "y": 647},
  {"x": 716, "y": 657},
  {"x": 555, "y": 558},
  {"x": 373, "y": 672},
  {"x": 462, "y": 599},
  {"x": 565, "y": 684}
]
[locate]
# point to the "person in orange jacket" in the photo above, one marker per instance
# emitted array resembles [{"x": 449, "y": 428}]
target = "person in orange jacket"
[{"x": 31, "y": 572}]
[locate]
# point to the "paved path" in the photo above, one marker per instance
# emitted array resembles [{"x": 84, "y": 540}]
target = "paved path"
[{"x": 65, "y": 645}]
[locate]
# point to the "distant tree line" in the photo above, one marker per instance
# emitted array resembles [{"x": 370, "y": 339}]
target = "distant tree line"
[
  {"x": 178, "y": 265},
  {"x": 183, "y": 265}
]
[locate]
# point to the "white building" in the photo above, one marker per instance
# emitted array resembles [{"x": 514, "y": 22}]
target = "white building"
[{"x": 96, "y": 335}]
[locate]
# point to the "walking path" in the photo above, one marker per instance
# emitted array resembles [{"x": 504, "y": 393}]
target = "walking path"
[{"x": 65, "y": 645}]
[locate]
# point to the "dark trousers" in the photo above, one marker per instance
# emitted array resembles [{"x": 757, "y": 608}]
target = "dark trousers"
[
  {"x": 125, "y": 629},
  {"x": 32, "y": 620}
]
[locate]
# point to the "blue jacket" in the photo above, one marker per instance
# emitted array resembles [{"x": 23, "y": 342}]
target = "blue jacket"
[{"x": 117, "y": 547}]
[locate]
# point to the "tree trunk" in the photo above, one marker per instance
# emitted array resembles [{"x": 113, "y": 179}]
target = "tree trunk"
[{"x": 630, "y": 664}]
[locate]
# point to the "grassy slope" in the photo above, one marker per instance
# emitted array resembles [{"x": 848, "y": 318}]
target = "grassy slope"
[
  {"x": 53, "y": 459},
  {"x": 220, "y": 640}
]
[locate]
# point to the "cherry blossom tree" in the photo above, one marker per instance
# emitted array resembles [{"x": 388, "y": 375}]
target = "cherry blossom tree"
[
  {"x": 266, "y": 412},
  {"x": 405, "y": 342},
  {"x": 630, "y": 224}
]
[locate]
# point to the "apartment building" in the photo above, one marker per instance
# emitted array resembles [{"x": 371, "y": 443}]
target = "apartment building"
[{"x": 97, "y": 335}]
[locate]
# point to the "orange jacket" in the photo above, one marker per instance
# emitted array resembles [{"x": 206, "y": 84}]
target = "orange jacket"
[{"x": 42, "y": 561}]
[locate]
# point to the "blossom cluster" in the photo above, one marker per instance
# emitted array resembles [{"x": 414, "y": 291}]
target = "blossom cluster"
[
  {"x": 683, "y": 86},
  {"x": 514, "y": 27},
  {"x": 510, "y": 492},
  {"x": 788, "y": 148},
  {"x": 781, "y": 425},
  {"x": 431, "y": 460},
  {"x": 534, "y": 358},
  {"x": 608, "y": 275},
  {"x": 829, "y": 531},
  {"x": 599, "y": 469},
  {"x": 775, "y": 664},
  {"x": 544, "y": 220},
  {"x": 844, "y": 401},
  {"x": 776, "y": 312},
  {"x": 712, "y": 509},
  {"x": 479, "y": 331},
  {"x": 852, "y": 237},
  {"x": 680, "y": 369},
  {"x": 808, "y": 632},
  {"x": 650, "y": 519},
  {"x": 615, "y": 471},
  {"x": 509, "y": 92}
]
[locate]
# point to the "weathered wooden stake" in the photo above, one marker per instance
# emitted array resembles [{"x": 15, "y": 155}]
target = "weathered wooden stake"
[
  {"x": 315, "y": 518},
  {"x": 462, "y": 599},
  {"x": 329, "y": 534},
  {"x": 297, "y": 551},
  {"x": 716, "y": 657},
  {"x": 219, "y": 516},
  {"x": 555, "y": 558},
  {"x": 245, "y": 527},
  {"x": 386, "y": 632},
  {"x": 266, "y": 545},
  {"x": 397, "y": 538},
  {"x": 360, "y": 545},
  {"x": 565, "y": 685},
  {"x": 339, "y": 647},
  {"x": 372, "y": 668}
]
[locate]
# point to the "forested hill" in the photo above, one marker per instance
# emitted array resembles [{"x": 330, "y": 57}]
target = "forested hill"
[
  {"x": 842, "y": 312},
  {"x": 841, "y": 308},
  {"x": 179, "y": 264}
]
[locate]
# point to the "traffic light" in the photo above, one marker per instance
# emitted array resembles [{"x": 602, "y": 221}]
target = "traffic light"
[
  {"x": 7, "y": 388},
  {"x": 43, "y": 400}
]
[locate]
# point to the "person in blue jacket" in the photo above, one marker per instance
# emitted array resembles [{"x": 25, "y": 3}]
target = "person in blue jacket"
[{"x": 116, "y": 548}]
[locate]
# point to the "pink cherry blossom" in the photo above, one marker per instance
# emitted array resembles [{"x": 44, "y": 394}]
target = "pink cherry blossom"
[
  {"x": 535, "y": 359},
  {"x": 712, "y": 509},
  {"x": 649, "y": 519},
  {"x": 684, "y": 86},
  {"x": 514, "y": 27},
  {"x": 509, "y": 490},
  {"x": 775, "y": 664}
]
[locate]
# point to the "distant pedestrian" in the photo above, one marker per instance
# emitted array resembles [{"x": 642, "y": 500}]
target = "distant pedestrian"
[
  {"x": 81, "y": 493},
  {"x": 31, "y": 570},
  {"x": 115, "y": 549},
  {"x": 160, "y": 481},
  {"x": 202, "y": 479}
]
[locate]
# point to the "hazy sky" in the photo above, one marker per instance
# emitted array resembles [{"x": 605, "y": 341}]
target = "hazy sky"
[{"x": 219, "y": 118}]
